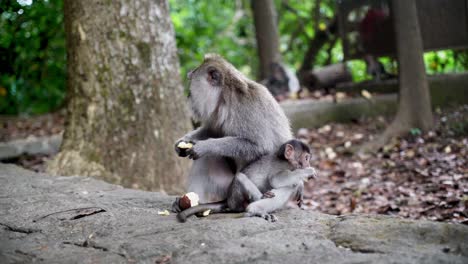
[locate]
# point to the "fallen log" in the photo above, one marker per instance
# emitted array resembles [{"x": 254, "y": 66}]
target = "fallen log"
[{"x": 326, "y": 77}]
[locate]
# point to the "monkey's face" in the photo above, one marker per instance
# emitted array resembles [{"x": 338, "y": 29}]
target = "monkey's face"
[
  {"x": 298, "y": 157},
  {"x": 205, "y": 90},
  {"x": 303, "y": 160},
  {"x": 300, "y": 160}
]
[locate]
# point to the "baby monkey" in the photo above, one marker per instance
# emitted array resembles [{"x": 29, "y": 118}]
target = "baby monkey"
[{"x": 265, "y": 185}]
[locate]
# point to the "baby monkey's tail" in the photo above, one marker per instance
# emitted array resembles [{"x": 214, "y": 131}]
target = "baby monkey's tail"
[{"x": 217, "y": 207}]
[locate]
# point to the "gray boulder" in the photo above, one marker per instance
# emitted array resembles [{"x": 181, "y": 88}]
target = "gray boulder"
[{"x": 82, "y": 220}]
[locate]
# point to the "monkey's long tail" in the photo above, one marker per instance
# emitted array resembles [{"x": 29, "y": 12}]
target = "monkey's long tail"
[{"x": 217, "y": 207}]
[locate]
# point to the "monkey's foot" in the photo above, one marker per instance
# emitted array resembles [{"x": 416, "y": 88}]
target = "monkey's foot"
[
  {"x": 176, "y": 206},
  {"x": 269, "y": 217},
  {"x": 268, "y": 194}
]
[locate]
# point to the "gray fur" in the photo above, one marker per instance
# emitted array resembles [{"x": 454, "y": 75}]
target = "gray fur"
[
  {"x": 271, "y": 172},
  {"x": 275, "y": 175},
  {"x": 239, "y": 120},
  {"x": 285, "y": 186}
]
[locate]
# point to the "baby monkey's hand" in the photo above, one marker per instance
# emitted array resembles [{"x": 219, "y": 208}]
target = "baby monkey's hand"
[{"x": 310, "y": 173}]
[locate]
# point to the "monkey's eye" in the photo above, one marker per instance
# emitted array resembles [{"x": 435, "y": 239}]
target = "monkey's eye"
[
  {"x": 214, "y": 76},
  {"x": 307, "y": 157}
]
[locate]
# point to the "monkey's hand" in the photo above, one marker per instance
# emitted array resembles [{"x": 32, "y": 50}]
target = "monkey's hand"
[
  {"x": 198, "y": 150},
  {"x": 183, "y": 147},
  {"x": 192, "y": 154},
  {"x": 268, "y": 194},
  {"x": 309, "y": 173}
]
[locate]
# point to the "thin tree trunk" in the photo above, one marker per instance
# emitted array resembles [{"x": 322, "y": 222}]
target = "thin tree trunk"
[
  {"x": 315, "y": 44},
  {"x": 414, "y": 102},
  {"x": 125, "y": 100},
  {"x": 266, "y": 33},
  {"x": 414, "y": 109}
]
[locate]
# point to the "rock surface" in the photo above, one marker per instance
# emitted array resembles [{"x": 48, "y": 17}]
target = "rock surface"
[
  {"x": 82, "y": 220},
  {"x": 31, "y": 145}
]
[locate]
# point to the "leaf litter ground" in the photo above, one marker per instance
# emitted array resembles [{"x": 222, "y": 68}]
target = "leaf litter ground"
[{"x": 420, "y": 176}]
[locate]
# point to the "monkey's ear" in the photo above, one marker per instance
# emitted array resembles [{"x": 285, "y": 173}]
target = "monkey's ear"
[
  {"x": 289, "y": 152},
  {"x": 215, "y": 77}
]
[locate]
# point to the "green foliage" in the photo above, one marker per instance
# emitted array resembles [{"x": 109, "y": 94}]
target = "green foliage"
[
  {"x": 32, "y": 45},
  {"x": 358, "y": 70},
  {"x": 415, "y": 131},
  {"x": 459, "y": 129},
  {"x": 297, "y": 27},
  {"x": 294, "y": 18},
  {"x": 446, "y": 61},
  {"x": 226, "y": 27},
  {"x": 32, "y": 56},
  {"x": 223, "y": 27}
]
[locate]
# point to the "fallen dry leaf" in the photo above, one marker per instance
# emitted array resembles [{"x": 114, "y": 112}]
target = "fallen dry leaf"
[{"x": 366, "y": 94}]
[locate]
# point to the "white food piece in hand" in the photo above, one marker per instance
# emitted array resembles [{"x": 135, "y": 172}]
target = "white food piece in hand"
[{"x": 185, "y": 145}]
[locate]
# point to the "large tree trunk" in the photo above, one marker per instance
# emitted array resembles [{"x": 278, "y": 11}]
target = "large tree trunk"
[
  {"x": 125, "y": 105},
  {"x": 414, "y": 102},
  {"x": 266, "y": 33}
]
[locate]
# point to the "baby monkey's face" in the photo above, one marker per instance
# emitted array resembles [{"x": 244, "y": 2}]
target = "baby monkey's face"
[
  {"x": 297, "y": 155},
  {"x": 299, "y": 160}
]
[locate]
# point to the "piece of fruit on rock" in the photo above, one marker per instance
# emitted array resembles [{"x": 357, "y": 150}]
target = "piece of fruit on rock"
[
  {"x": 188, "y": 200},
  {"x": 206, "y": 213},
  {"x": 185, "y": 145},
  {"x": 165, "y": 212}
]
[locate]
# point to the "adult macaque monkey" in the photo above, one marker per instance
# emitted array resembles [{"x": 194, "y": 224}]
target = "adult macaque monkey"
[
  {"x": 276, "y": 177},
  {"x": 240, "y": 122}
]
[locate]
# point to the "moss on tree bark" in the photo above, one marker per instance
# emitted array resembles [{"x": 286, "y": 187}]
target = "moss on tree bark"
[{"x": 125, "y": 98}]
